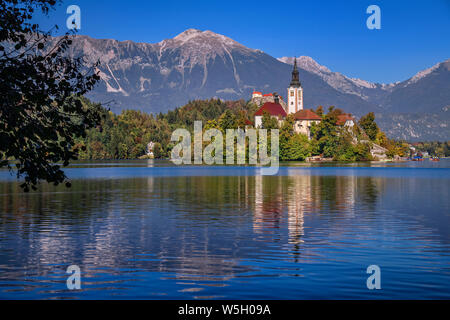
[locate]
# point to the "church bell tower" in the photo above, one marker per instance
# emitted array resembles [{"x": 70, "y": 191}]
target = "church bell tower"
[{"x": 295, "y": 92}]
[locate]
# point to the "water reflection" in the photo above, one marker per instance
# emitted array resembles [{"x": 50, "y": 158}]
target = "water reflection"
[{"x": 221, "y": 236}]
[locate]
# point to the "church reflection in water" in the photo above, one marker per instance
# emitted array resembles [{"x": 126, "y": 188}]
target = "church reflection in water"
[
  {"x": 191, "y": 228},
  {"x": 286, "y": 201}
]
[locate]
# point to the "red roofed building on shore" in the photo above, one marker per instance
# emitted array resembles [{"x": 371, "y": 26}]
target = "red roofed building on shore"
[
  {"x": 259, "y": 99},
  {"x": 257, "y": 94},
  {"x": 274, "y": 109},
  {"x": 346, "y": 120},
  {"x": 304, "y": 120}
]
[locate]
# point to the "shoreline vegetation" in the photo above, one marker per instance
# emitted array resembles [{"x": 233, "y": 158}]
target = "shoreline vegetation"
[
  {"x": 138, "y": 135},
  {"x": 128, "y": 135}
]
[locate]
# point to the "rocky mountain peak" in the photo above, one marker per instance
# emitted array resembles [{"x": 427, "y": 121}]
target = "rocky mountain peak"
[
  {"x": 426, "y": 72},
  {"x": 306, "y": 63},
  {"x": 336, "y": 80},
  {"x": 204, "y": 39},
  {"x": 195, "y": 48},
  {"x": 188, "y": 34}
]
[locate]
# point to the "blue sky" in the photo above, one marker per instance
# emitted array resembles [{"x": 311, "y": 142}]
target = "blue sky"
[{"x": 414, "y": 36}]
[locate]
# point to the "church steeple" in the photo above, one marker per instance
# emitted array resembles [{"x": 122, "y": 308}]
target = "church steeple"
[
  {"x": 295, "y": 82},
  {"x": 295, "y": 92}
]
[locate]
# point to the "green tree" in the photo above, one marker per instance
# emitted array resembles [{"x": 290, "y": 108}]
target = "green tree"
[
  {"x": 241, "y": 120},
  {"x": 227, "y": 120},
  {"x": 298, "y": 148},
  {"x": 381, "y": 139},
  {"x": 326, "y": 134},
  {"x": 41, "y": 109},
  {"x": 158, "y": 151},
  {"x": 212, "y": 124},
  {"x": 319, "y": 111},
  {"x": 348, "y": 150},
  {"x": 368, "y": 124},
  {"x": 286, "y": 133},
  {"x": 269, "y": 122}
]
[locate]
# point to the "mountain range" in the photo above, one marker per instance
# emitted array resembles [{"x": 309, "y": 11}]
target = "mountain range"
[{"x": 156, "y": 77}]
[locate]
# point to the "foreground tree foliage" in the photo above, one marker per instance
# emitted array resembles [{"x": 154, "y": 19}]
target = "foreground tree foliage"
[{"x": 41, "y": 110}]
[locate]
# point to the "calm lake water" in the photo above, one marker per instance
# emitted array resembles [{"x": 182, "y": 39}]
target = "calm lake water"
[{"x": 149, "y": 230}]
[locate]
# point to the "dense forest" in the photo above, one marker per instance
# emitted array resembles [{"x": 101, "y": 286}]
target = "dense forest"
[{"x": 126, "y": 136}]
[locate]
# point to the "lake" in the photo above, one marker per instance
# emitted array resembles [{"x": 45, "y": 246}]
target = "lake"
[{"x": 151, "y": 230}]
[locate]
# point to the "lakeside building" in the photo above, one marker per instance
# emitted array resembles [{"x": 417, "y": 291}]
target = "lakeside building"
[
  {"x": 276, "y": 107},
  {"x": 303, "y": 121},
  {"x": 346, "y": 120}
]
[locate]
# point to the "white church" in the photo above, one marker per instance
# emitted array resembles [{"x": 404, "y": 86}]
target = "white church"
[{"x": 277, "y": 108}]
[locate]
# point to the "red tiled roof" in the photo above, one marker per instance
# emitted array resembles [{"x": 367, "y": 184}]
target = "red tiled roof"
[
  {"x": 343, "y": 118},
  {"x": 306, "y": 115},
  {"x": 257, "y": 92},
  {"x": 268, "y": 95},
  {"x": 274, "y": 109}
]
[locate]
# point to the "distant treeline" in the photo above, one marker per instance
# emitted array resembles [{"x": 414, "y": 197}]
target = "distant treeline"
[
  {"x": 126, "y": 136},
  {"x": 435, "y": 148}
]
